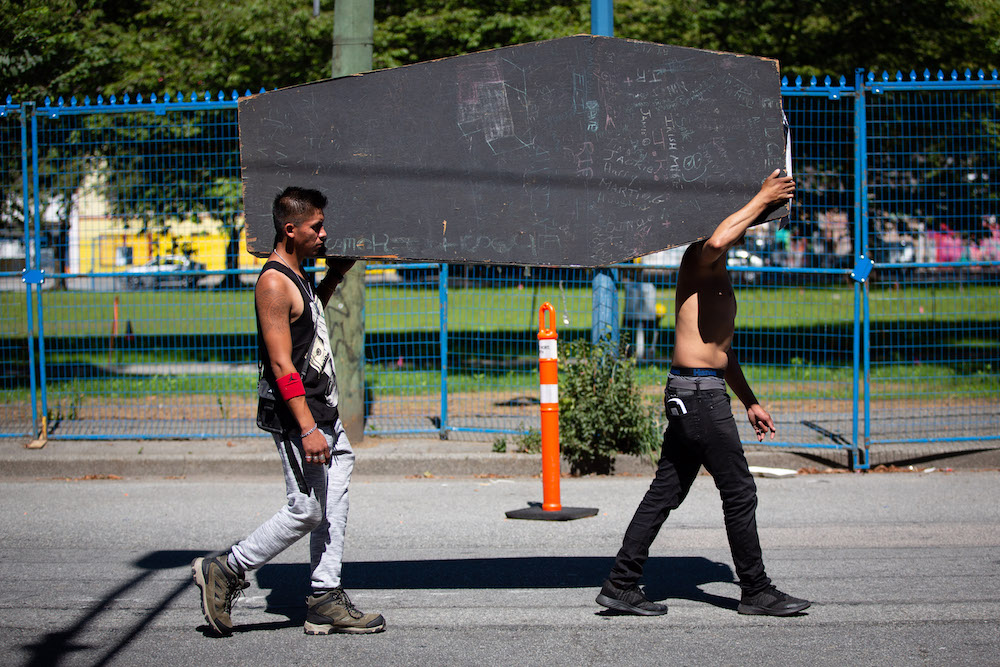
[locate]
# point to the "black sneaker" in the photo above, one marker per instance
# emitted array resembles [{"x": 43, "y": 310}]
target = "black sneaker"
[
  {"x": 220, "y": 586},
  {"x": 629, "y": 600},
  {"x": 771, "y": 602},
  {"x": 333, "y": 611}
]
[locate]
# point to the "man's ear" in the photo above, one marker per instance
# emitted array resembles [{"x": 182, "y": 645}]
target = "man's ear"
[{"x": 289, "y": 230}]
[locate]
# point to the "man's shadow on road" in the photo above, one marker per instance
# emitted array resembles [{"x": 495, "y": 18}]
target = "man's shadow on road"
[
  {"x": 678, "y": 578},
  {"x": 287, "y": 585}
]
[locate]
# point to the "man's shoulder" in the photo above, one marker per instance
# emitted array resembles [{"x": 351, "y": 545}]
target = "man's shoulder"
[
  {"x": 273, "y": 282},
  {"x": 692, "y": 259}
]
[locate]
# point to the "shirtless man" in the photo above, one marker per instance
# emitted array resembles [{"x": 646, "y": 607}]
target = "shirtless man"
[{"x": 701, "y": 429}]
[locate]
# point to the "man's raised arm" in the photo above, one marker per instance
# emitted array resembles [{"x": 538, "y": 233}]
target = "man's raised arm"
[{"x": 775, "y": 191}]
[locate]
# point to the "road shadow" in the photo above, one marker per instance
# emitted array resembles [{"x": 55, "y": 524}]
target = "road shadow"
[
  {"x": 667, "y": 577},
  {"x": 54, "y": 647}
]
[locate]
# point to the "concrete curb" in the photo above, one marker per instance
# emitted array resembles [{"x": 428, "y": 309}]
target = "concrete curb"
[{"x": 403, "y": 458}]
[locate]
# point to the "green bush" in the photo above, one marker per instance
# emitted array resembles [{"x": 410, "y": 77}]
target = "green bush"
[
  {"x": 601, "y": 411},
  {"x": 524, "y": 443}
]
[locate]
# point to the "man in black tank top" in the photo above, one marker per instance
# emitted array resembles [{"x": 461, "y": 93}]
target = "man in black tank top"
[{"x": 298, "y": 388}]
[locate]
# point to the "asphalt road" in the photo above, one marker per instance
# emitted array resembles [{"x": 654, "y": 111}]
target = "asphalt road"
[{"x": 903, "y": 569}]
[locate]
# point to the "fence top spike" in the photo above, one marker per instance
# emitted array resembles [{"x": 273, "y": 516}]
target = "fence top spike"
[
  {"x": 826, "y": 80},
  {"x": 125, "y": 99},
  {"x": 899, "y": 75},
  {"x": 72, "y": 101},
  {"x": 954, "y": 75},
  {"x": 138, "y": 98},
  {"x": 995, "y": 75},
  {"x": 913, "y": 75},
  {"x": 48, "y": 102},
  {"x": 10, "y": 100},
  {"x": 885, "y": 76},
  {"x": 194, "y": 97},
  {"x": 262, "y": 90},
  {"x": 798, "y": 80},
  {"x": 86, "y": 101},
  {"x": 220, "y": 96},
  {"x": 812, "y": 81},
  {"x": 234, "y": 94},
  {"x": 784, "y": 81},
  {"x": 927, "y": 75},
  {"x": 112, "y": 100},
  {"x": 843, "y": 80},
  {"x": 981, "y": 74},
  {"x": 940, "y": 75},
  {"x": 968, "y": 74},
  {"x": 59, "y": 102},
  {"x": 152, "y": 98}
]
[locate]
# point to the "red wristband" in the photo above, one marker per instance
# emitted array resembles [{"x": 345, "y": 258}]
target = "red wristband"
[{"x": 290, "y": 386}]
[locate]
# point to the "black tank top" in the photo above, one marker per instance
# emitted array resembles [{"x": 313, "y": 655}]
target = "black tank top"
[{"x": 311, "y": 355}]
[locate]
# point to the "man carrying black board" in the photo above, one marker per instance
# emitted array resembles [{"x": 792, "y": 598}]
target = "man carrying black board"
[
  {"x": 298, "y": 404},
  {"x": 701, "y": 429}
]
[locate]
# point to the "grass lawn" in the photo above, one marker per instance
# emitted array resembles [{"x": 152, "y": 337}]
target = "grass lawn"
[
  {"x": 392, "y": 309},
  {"x": 961, "y": 318}
]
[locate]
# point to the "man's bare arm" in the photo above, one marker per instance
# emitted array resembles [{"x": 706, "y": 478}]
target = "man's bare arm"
[
  {"x": 737, "y": 381},
  {"x": 775, "y": 191},
  {"x": 274, "y": 307},
  {"x": 758, "y": 416}
]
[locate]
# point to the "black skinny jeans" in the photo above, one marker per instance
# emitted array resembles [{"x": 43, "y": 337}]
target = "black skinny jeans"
[{"x": 707, "y": 436}]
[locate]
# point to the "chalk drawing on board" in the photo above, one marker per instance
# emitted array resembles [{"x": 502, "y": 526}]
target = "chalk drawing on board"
[{"x": 487, "y": 103}]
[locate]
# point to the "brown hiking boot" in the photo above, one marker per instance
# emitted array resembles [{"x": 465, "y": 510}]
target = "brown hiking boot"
[
  {"x": 333, "y": 612},
  {"x": 220, "y": 587}
]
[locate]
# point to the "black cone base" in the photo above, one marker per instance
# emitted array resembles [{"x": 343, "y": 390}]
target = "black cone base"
[{"x": 536, "y": 513}]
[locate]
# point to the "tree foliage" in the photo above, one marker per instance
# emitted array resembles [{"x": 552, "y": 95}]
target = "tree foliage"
[{"x": 86, "y": 47}]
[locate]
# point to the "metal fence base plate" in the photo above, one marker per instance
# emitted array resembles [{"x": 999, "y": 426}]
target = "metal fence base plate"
[{"x": 535, "y": 512}]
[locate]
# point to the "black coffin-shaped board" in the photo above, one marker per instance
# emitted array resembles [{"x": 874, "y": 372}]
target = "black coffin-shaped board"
[{"x": 581, "y": 151}]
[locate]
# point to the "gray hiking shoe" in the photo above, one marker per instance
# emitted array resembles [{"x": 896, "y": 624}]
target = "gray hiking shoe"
[
  {"x": 220, "y": 586},
  {"x": 629, "y": 600},
  {"x": 333, "y": 611},
  {"x": 771, "y": 602}
]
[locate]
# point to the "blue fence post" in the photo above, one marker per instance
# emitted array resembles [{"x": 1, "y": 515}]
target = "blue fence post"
[
  {"x": 859, "y": 455},
  {"x": 602, "y": 20},
  {"x": 604, "y": 319},
  {"x": 36, "y": 216},
  {"x": 443, "y": 338}
]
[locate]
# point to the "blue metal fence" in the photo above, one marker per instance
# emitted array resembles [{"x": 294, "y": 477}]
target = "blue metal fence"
[{"x": 127, "y": 309}]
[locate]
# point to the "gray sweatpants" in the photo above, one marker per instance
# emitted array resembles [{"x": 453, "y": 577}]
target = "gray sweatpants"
[{"x": 321, "y": 511}]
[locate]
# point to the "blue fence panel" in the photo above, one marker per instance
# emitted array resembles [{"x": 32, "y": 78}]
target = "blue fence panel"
[
  {"x": 934, "y": 210},
  {"x": 796, "y": 322},
  {"x": 405, "y": 338},
  {"x": 17, "y": 382},
  {"x": 148, "y": 321}
]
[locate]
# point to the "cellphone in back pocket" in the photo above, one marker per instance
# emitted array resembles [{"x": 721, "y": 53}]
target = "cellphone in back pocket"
[{"x": 676, "y": 407}]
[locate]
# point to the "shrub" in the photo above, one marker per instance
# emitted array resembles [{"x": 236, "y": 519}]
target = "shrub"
[
  {"x": 601, "y": 411},
  {"x": 524, "y": 443}
]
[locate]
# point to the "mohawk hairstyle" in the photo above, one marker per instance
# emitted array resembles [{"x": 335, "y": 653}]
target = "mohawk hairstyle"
[{"x": 292, "y": 205}]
